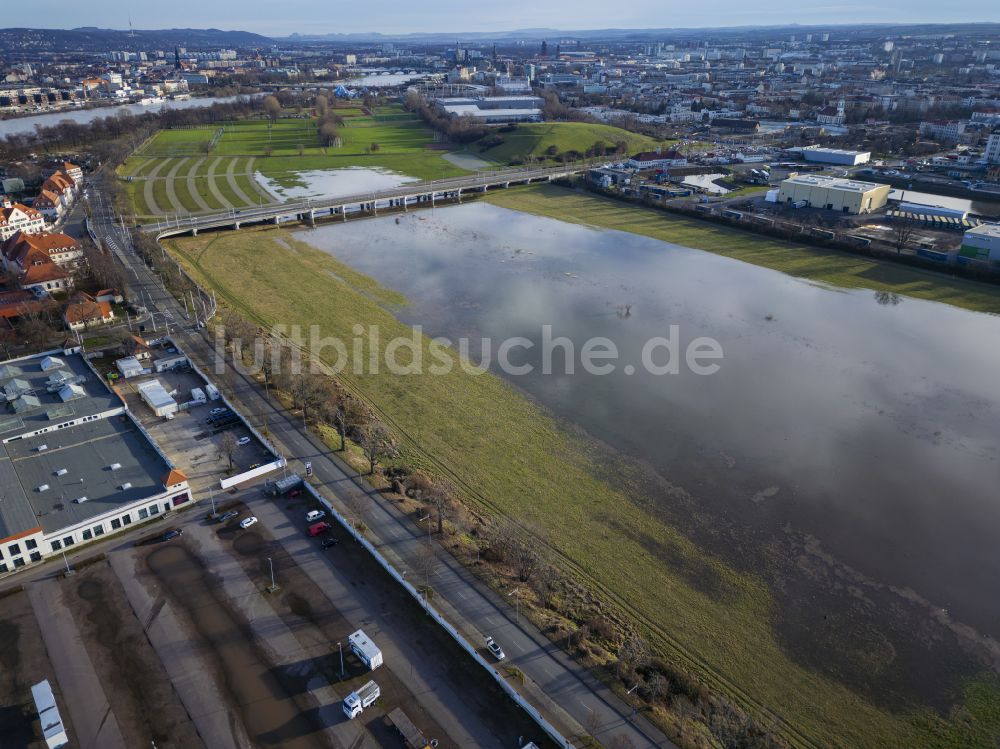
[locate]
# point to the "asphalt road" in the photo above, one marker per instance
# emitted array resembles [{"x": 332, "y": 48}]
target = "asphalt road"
[{"x": 565, "y": 692}]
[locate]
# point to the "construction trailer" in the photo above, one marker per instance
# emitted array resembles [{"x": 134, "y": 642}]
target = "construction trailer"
[{"x": 365, "y": 649}]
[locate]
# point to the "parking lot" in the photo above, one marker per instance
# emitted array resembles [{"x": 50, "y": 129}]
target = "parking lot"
[{"x": 194, "y": 438}]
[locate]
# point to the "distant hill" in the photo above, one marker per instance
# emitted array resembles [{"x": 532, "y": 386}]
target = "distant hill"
[
  {"x": 92, "y": 39},
  {"x": 650, "y": 34}
]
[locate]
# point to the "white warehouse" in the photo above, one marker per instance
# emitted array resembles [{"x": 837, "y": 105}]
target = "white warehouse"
[{"x": 821, "y": 155}]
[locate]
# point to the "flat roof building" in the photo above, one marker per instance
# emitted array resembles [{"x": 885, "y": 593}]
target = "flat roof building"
[
  {"x": 493, "y": 110},
  {"x": 834, "y": 193},
  {"x": 982, "y": 243},
  {"x": 822, "y": 155},
  {"x": 74, "y": 464}
]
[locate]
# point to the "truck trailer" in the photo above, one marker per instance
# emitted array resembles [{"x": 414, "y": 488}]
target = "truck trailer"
[
  {"x": 365, "y": 649},
  {"x": 285, "y": 485},
  {"x": 412, "y": 736},
  {"x": 356, "y": 702}
]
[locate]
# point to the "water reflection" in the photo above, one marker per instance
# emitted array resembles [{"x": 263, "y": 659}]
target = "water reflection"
[
  {"x": 334, "y": 183},
  {"x": 866, "y": 423}
]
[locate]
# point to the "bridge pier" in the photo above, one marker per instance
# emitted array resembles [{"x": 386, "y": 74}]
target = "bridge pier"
[
  {"x": 236, "y": 225},
  {"x": 194, "y": 232},
  {"x": 312, "y": 218},
  {"x": 275, "y": 220},
  {"x": 460, "y": 195}
]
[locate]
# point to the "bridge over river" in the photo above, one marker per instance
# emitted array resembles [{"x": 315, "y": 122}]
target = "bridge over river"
[{"x": 413, "y": 194}]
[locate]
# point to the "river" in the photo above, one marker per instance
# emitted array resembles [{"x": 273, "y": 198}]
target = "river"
[
  {"x": 865, "y": 423},
  {"x": 27, "y": 124}
]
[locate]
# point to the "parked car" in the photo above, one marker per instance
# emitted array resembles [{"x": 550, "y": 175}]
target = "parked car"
[
  {"x": 494, "y": 647},
  {"x": 313, "y": 515},
  {"x": 328, "y": 542},
  {"x": 318, "y": 529},
  {"x": 226, "y": 516},
  {"x": 247, "y": 522},
  {"x": 294, "y": 492},
  {"x": 217, "y": 411},
  {"x": 171, "y": 534},
  {"x": 243, "y": 441}
]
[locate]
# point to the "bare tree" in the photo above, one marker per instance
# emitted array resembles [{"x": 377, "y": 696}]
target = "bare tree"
[
  {"x": 307, "y": 392},
  {"x": 322, "y": 105},
  {"x": 377, "y": 443},
  {"x": 228, "y": 447},
  {"x": 440, "y": 495},
  {"x": 501, "y": 537},
  {"x": 902, "y": 232},
  {"x": 621, "y": 741},
  {"x": 632, "y": 654},
  {"x": 656, "y": 686},
  {"x": 36, "y": 328},
  {"x": 425, "y": 564},
  {"x": 272, "y": 107},
  {"x": 525, "y": 559},
  {"x": 546, "y": 583}
]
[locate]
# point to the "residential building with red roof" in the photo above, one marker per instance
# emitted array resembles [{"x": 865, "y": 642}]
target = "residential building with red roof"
[
  {"x": 15, "y": 217},
  {"x": 83, "y": 311},
  {"x": 22, "y": 249}
]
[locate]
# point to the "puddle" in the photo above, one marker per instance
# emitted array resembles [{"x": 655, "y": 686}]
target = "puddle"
[{"x": 335, "y": 183}]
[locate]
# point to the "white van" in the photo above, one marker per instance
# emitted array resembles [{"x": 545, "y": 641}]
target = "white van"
[{"x": 315, "y": 515}]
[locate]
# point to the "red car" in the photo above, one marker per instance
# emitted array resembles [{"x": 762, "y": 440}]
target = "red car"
[{"x": 317, "y": 529}]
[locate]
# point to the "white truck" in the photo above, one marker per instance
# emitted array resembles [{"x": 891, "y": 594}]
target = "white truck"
[
  {"x": 365, "y": 649},
  {"x": 213, "y": 392},
  {"x": 356, "y": 702},
  {"x": 198, "y": 396}
]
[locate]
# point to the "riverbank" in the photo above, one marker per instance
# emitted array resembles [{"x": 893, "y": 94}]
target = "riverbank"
[
  {"x": 802, "y": 261},
  {"x": 582, "y": 501}
]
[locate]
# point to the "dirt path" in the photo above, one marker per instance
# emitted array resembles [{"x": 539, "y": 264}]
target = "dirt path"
[
  {"x": 214, "y": 188},
  {"x": 86, "y": 700},
  {"x": 268, "y": 710},
  {"x": 186, "y": 661},
  {"x": 147, "y": 188},
  {"x": 171, "y": 187},
  {"x": 146, "y": 705},
  {"x": 231, "y": 176},
  {"x": 268, "y": 197},
  {"x": 23, "y": 662},
  {"x": 193, "y": 187}
]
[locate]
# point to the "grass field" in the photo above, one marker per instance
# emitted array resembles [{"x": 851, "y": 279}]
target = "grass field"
[
  {"x": 535, "y": 139},
  {"x": 178, "y": 172},
  {"x": 839, "y": 269},
  {"x": 521, "y": 462}
]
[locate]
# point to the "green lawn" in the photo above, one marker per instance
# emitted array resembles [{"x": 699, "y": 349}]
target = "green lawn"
[
  {"x": 534, "y": 139},
  {"x": 510, "y": 457},
  {"x": 403, "y": 145},
  {"x": 840, "y": 269}
]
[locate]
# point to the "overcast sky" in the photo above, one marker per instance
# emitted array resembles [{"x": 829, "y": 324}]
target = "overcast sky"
[{"x": 398, "y": 16}]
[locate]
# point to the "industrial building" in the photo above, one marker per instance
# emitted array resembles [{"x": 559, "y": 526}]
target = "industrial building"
[
  {"x": 982, "y": 243},
  {"x": 833, "y": 193},
  {"x": 493, "y": 110},
  {"x": 821, "y": 155},
  {"x": 74, "y": 464}
]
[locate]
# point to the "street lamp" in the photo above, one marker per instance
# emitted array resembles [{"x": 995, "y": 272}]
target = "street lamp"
[
  {"x": 427, "y": 517},
  {"x": 517, "y": 603},
  {"x": 274, "y": 586},
  {"x": 69, "y": 570},
  {"x": 341, "y": 652}
]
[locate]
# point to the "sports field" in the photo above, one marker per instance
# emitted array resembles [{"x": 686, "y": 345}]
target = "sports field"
[{"x": 212, "y": 168}]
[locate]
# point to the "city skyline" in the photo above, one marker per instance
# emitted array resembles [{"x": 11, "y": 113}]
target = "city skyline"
[{"x": 447, "y": 16}]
